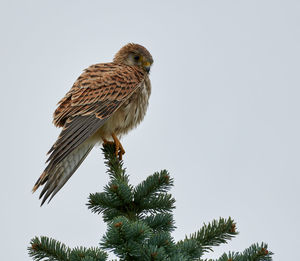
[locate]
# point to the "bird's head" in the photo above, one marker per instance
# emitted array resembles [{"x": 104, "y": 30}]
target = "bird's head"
[{"x": 134, "y": 54}]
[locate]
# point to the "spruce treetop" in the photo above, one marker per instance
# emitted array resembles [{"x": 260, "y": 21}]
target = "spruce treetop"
[{"x": 139, "y": 225}]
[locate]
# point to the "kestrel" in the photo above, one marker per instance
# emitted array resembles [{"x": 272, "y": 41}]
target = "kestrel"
[{"x": 106, "y": 101}]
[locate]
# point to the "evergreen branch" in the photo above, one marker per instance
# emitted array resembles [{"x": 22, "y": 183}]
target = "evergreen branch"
[
  {"x": 160, "y": 222},
  {"x": 160, "y": 203},
  {"x": 45, "y": 248},
  {"x": 152, "y": 252},
  {"x": 120, "y": 191},
  {"x": 125, "y": 237},
  {"x": 115, "y": 196},
  {"x": 255, "y": 252},
  {"x": 110, "y": 214},
  {"x": 190, "y": 249},
  {"x": 116, "y": 201},
  {"x": 105, "y": 204},
  {"x": 114, "y": 166},
  {"x": 87, "y": 254},
  {"x": 159, "y": 182},
  {"x": 163, "y": 242},
  {"x": 98, "y": 202},
  {"x": 214, "y": 234}
]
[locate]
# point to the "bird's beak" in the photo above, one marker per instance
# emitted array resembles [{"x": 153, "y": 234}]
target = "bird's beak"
[{"x": 147, "y": 66}]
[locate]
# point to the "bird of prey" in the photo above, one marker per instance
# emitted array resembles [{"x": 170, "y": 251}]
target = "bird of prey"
[{"x": 106, "y": 101}]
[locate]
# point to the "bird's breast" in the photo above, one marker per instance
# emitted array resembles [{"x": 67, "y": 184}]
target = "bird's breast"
[{"x": 131, "y": 113}]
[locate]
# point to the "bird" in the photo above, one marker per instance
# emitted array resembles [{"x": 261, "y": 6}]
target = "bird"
[{"x": 106, "y": 101}]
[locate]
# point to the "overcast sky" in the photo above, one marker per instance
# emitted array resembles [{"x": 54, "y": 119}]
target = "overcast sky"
[{"x": 223, "y": 115}]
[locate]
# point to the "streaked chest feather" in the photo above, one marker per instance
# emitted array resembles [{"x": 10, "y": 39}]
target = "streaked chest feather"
[{"x": 131, "y": 113}]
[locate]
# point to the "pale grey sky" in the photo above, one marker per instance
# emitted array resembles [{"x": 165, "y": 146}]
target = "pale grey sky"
[{"x": 223, "y": 115}]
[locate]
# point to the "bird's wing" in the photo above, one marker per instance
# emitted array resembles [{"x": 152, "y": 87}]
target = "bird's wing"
[
  {"x": 97, "y": 87},
  {"x": 95, "y": 96}
]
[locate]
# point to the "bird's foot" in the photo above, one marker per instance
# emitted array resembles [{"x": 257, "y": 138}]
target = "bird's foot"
[{"x": 119, "y": 148}]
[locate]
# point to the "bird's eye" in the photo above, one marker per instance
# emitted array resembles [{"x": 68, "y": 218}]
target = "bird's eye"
[{"x": 136, "y": 58}]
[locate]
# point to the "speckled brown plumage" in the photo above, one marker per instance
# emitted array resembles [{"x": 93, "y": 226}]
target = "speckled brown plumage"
[{"x": 107, "y": 100}]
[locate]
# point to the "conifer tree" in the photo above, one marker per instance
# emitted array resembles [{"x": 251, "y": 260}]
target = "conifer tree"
[{"x": 139, "y": 225}]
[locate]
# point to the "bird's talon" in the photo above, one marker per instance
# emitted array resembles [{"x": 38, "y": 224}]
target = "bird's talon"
[
  {"x": 119, "y": 150},
  {"x": 121, "y": 153}
]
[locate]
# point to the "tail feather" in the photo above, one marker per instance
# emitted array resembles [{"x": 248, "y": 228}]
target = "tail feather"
[
  {"x": 55, "y": 176},
  {"x": 41, "y": 180}
]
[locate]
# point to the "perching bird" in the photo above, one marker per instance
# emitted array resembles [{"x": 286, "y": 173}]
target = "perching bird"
[{"x": 106, "y": 101}]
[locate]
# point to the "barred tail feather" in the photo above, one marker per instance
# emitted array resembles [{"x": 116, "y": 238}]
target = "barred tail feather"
[{"x": 54, "y": 177}]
